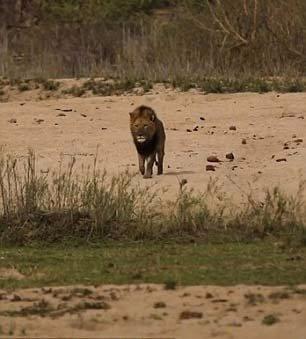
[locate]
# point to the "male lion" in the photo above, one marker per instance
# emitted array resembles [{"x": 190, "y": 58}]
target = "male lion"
[{"x": 149, "y": 138}]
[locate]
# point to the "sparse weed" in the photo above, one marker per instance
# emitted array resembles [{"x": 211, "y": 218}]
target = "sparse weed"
[
  {"x": 65, "y": 204},
  {"x": 170, "y": 284},
  {"x": 270, "y": 319},
  {"x": 75, "y": 91},
  {"x": 51, "y": 85},
  {"x": 106, "y": 88},
  {"x": 22, "y": 87}
]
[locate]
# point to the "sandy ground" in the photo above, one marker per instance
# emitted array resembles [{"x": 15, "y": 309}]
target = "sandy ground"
[
  {"x": 150, "y": 311},
  {"x": 273, "y": 154},
  {"x": 272, "y": 125}
]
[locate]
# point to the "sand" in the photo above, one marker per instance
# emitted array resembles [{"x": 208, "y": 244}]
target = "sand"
[
  {"x": 272, "y": 154},
  {"x": 272, "y": 125},
  {"x": 150, "y": 311}
]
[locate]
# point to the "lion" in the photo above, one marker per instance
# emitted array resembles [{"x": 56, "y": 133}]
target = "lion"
[{"x": 149, "y": 138}]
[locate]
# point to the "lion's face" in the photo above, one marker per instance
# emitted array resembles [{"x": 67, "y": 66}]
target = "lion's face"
[{"x": 143, "y": 125}]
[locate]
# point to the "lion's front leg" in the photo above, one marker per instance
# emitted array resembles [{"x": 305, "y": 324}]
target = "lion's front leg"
[
  {"x": 150, "y": 162},
  {"x": 141, "y": 161}
]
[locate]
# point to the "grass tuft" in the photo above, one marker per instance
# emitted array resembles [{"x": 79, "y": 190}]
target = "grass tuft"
[
  {"x": 66, "y": 204},
  {"x": 170, "y": 284},
  {"x": 270, "y": 319}
]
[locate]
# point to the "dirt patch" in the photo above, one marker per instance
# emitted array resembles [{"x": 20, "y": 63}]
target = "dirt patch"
[
  {"x": 262, "y": 122},
  {"x": 186, "y": 312}
]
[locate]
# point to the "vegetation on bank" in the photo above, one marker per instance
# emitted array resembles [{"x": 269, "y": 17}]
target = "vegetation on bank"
[
  {"x": 44, "y": 88},
  {"x": 154, "y": 40},
  {"x": 69, "y": 205},
  {"x": 163, "y": 262}
]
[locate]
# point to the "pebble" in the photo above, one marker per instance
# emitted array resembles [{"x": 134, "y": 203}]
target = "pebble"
[
  {"x": 212, "y": 158},
  {"x": 210, "y": 168},
  {"x": 230, "y": 156}
]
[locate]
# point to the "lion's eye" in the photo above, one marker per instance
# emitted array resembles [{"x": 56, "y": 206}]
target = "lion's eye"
[{"x": 136, "y": 126}]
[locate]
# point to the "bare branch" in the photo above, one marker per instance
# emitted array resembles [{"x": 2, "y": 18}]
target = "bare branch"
[
  {"x": 253, "y": 36},
  {"x": 230, "y": 26}
]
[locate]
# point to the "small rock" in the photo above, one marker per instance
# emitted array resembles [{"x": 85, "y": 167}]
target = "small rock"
[
  {"x": 243, "y": 141},
  {"x": 12, "y": 121},
  {"x": 232, "y": 128},
  {"x": 195, "y": 128},
  {"x": 281, "y": 159},
  {"x": 212, "y": 158},
  {"x": 230, "y": 156},
  {"x": 64, "y": 109},
  {"x": 159, "y": 304},
  {"x": 61, "y": 115},
  {"x": 14, "y": 297},
  {"x": 202, "y": 118},
  {"x": 298, "y": 140},
  {"x": 46, "y": 290},
  {"x": 188, "y": 130},
  {"x": 114, "y": 296},
  {"x": 83, "y": 115},
  {"x": 210, "y": 168},
  {"x": 287, "y": 115},
  {"x": 190, "y": 315},
  {"x": 233, "y": 168},
  {"x": 103, "y": 128},
  {"x": 293, "y": 136},
  {"x": 39, "y": 121}
]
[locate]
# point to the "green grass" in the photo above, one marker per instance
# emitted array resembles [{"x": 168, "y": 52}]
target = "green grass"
[{"x": 151, "y": 262}]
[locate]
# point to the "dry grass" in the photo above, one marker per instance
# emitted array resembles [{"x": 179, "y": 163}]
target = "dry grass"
[
  {"x": 92, "y": 205},
  {"x": 225, "y": 39}
]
